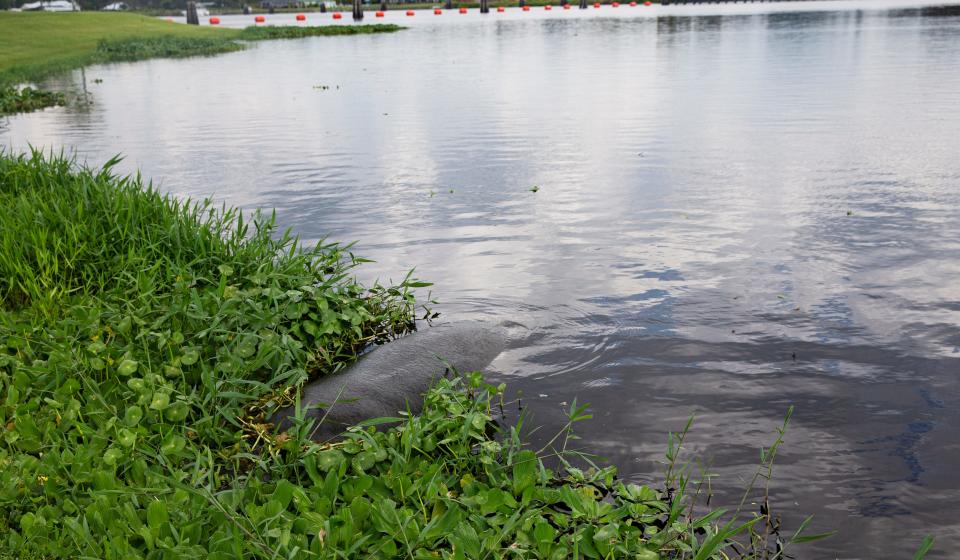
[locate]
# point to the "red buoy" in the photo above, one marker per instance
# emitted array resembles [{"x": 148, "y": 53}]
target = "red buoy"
[
  {"x": 379, "y": 14},
  {"x": 526, "y": 8},
  {"x": 501, "y": 9},
  {"x": 437, "y": 11},
  {"x": 566, "y": 6},
  {"x": 409, "y": 12},
  {"x": 337, "y": 15},
  {"x": 259, "y": 19},
  {"x": 648, "y": 3},
  {"x": 616, "y": 4},
  {"x": 463, "y": 10},
  {"x": 597, "y": 5},
  {"x": 301, "y": 17},
  {"x": 548, "y": 7},
  {"x": 633, "y": 4},
  {"x": 214, "y": 21}
]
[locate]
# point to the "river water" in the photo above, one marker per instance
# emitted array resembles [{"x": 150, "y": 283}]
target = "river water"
[{"x": 740, "y": 208}]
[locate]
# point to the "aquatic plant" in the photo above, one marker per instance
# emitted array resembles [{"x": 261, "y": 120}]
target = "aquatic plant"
[
  {"x": 24, "y": 100},
  {"x": 267, "y": 32},
  {"x": 162, "y": 46}
]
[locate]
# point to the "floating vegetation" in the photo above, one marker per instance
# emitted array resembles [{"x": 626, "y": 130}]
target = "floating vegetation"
[
  {"x": 534, "y": 188},
  {"x": 162, "y": 46},
  {"x": 267, "y": 32},
  {"x": 23, "y": 100}
]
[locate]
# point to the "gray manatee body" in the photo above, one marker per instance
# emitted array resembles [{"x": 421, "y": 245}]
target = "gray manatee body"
[{"x": 394, "y": 376}]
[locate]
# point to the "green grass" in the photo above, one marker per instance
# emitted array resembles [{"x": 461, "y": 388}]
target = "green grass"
[
  {"x": 34, "y": 46},
  {"x": 144, "y": 339}
]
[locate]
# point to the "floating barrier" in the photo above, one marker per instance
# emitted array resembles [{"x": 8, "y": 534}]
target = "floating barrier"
[
  {"x": 337, "y": 15},
  {"x": 648, "y": 3},
  {"x": 615, "y": 4},
  {"x": 463, "y": 10},
  {"x": 633, "y": 4},
  {"x": 501, "y": 9},
  {"x": 548, "y": 7},
  {"x": 379, "y": 14},
  {"x": 301, "y": 17},
  {"x": 409, "y": 13},
  {"x": 259, "y": 19},
  {"x": 597, "y": 5},
  {"x": 437, "y": 11},
  {"x": 566, "y": 6},
  {"x": 214, "y": 21},
  {"x": 526, "y": 8}
]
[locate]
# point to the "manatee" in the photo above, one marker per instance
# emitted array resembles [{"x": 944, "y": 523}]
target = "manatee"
[{"x": 394, "y": 376}]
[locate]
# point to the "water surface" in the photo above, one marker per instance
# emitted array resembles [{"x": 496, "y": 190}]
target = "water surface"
[{"x": 740, "y": 208}]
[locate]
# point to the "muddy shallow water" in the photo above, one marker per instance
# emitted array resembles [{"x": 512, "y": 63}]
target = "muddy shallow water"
[{"x": 740, "y": 208}]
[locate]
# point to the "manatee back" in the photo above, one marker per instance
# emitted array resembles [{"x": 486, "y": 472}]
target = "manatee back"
[{"x": 394, "y": 376}]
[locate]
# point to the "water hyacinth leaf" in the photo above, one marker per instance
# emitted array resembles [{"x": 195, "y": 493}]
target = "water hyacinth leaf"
[
  {"x": 126, "y": 437},
  {"x": 112, "y": 455},
  {"x": 127, "y": 367},
  {"x": 172, "y": 444},
  {"x": 133, "y": 415},
  {"x": 190, "y": 356},
  {"x": 137, "y": 384},
  {"x": 328, "y": 460},
  {"x": 177, "y": 412},
  {"x": 160, "y": 400},
  {"x": 647, "y": 554},
  {"x": 247, "y": 346}
]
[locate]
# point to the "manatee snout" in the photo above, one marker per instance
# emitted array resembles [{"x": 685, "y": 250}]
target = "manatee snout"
[{"x": 394, "y": 376}]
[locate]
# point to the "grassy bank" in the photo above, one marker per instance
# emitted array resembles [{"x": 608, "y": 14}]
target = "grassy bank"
[
  {"x": 142, "y": 341},
  {"x": 35, "y": 46}
]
